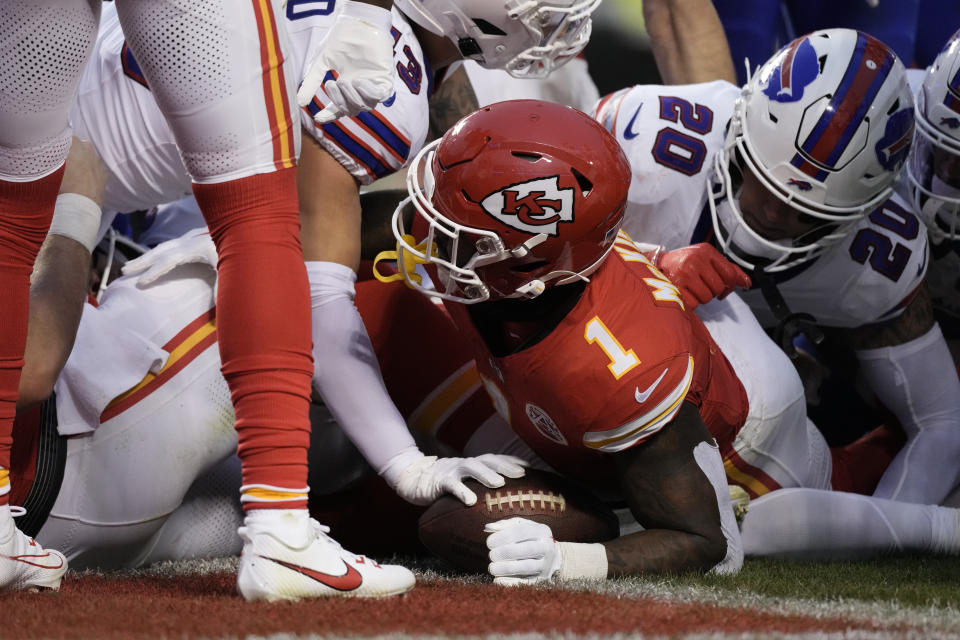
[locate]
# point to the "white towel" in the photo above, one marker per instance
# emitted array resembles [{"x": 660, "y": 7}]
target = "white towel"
[{"x": 106, "y": 361}]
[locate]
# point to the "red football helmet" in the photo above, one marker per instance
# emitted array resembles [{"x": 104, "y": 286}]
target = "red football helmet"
[{"x": 518, "y": 196}]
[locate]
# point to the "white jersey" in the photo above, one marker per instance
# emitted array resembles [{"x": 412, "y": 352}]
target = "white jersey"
[
  {"x": 868, "y": 277},
  {"x": 116, "y": 111},
  {"x": 372, "y": 144},
  {"x": 671, "y": 134}
]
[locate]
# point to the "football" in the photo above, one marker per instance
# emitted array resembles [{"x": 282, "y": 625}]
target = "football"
[{"x": 454, "y": 532}]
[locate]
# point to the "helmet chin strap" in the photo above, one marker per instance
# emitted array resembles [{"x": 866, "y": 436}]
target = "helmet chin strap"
[
  {"x": 537, "y": 286},
  {"x": 789, "y": 324},
  {"x": 522, "y": 250}
]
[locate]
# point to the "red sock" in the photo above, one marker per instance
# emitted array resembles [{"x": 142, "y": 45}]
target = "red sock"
[
  {"x": 25, "y": 212},
  {"x": 858, "y": 466},
  {"x": 263, "y": 324}
]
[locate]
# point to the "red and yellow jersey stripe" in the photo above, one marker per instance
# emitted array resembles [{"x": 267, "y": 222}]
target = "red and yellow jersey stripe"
[
  {"x": 753, "y": 479},
  {"x": 183, "y": 348},
  {"x": 275, "y": 86}
]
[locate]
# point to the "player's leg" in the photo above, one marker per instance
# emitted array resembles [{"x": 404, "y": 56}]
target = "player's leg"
[
  {"x": 161, "y": 429},
  {"x": 777, "y": 446},
  {"x": 205, "y": 524},
  {"x": 123, "y": 481},
  {"x": 219, "y": 74},
  {"x": 44, "y": 45},
  {"x": 811, "y": 523}
]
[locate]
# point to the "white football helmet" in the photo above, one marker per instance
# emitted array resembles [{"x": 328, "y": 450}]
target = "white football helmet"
[
  {"x": 934, "y": 165},
  {"x": 825, "y": 125},
  {"x": 528, "y": 38}
]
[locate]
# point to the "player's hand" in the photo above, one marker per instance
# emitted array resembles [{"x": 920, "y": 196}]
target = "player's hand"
[
  {"x": 423, "y": 479},
  {"x": 354, "y": 65},
  {"x": 522, "y": 552},
  {"x": 702, "y": 274},
  {"x": 194, "y": 247}
]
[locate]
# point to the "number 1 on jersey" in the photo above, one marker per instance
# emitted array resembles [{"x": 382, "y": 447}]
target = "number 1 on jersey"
[{"x": 621, "y": 360}]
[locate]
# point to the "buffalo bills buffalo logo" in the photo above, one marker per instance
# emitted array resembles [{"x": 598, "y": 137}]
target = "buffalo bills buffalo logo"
[
  {"x": 536, "y": 206},
  {"x": 803, "y": 185},
  {"x": 893, "y": 147},
  {"x": 951, "y": 122},
  {"x": 791, "y": 71}
]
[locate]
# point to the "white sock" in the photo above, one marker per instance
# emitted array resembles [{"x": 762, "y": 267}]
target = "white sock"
[
  {"x": 289, "y": 525},
  {"x": 346, "y": 371},
  {"x": 814, "y": 524}
]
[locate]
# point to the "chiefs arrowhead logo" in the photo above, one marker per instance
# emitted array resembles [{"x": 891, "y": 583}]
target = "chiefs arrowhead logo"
[{"x": 537, "y": 206}]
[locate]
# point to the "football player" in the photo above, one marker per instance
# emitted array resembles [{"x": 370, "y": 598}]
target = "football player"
[
  {"x": 792, "y": 177},
  {"x": 144, "y": 168},
  {"x": 932, "y": 176},
  {"x": 97, "y": 482},
  {"x": 589, "y": 352},
  {"x": 218, "y": 71}
]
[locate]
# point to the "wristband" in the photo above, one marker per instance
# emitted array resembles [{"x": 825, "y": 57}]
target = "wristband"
[
  {"x": 76, "y": 217},
  {"x": 582, "y": 561}
]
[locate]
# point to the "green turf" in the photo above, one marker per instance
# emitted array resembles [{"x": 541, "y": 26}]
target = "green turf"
[
  {"x": 919, "y": 582},
  {"x": 911, "y": 581}
]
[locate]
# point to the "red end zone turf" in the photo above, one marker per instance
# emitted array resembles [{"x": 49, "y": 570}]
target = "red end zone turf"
[{"x": 206, "y": 606}]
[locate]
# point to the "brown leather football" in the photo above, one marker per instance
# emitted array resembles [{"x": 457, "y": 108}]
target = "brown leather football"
[{"x": 454, "y": 532}]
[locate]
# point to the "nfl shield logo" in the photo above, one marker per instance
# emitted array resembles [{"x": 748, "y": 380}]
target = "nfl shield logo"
[{"x": 544, "y": 423}]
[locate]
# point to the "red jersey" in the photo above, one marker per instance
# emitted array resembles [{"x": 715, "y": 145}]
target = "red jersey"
[{"x": 613, "y": 372}]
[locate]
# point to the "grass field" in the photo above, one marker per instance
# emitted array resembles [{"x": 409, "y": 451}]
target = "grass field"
[{"x": 903, "y": 597}]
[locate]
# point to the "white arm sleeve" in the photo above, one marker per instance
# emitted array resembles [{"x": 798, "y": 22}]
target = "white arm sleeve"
[
  {"x": 707, "y": 456},
  {"x": 918, "y": 382},
  {"x": 346, "y": 371}
]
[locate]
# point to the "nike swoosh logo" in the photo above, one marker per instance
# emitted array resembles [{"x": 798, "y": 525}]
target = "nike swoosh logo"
[
  {"x": 922, "y": 264},
  {"x": 629, "y": 133},
  {"x": 347, "y": 582},
  {"x": 641, "y": 397},
  {"x": 34, "y": 560}
]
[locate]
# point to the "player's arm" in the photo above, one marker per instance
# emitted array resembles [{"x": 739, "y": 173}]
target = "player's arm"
[
  {"x": 676, "y": 488},
  {"x": 61, "y": 274},
  {"x": 908, "y": 366},
  {"x": 452, "y": 100},
  {"x": 346, "y": 372},
  {"x": 666, "y": 481},
  {"x": 329, "y": 207},
  {"x": 688, "y": 41}
]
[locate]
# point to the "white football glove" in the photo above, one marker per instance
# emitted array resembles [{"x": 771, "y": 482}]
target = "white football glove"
[
  {"x": 522, "y": 552},
  {"x": 421, "y": 479},
  {"x": 194, "y": 247},
  {"x": 354, "y": 65}
]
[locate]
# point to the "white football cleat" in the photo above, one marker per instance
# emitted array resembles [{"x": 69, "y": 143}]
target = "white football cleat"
[
  {"x": 24, "y": 564},
  {"x": 291, "y": 557}
]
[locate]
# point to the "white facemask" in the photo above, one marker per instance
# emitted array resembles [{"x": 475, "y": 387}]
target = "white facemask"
[
  {"x": 745, "y": 240},
  {"x": 945, "y": 203}
]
